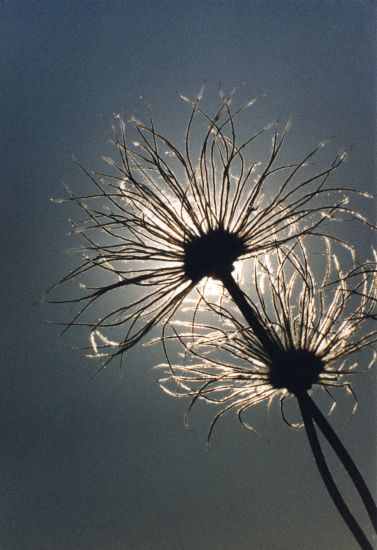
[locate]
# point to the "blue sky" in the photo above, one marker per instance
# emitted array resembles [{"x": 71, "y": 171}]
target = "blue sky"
[{"x": 108, "y": 464}]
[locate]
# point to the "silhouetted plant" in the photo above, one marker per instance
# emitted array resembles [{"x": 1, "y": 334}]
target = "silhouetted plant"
[
  {"x": 167, "y": 218},
  {"x": 313, "y": 333}
]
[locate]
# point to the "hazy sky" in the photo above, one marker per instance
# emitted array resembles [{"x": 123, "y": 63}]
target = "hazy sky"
[{"x": 108, "y": 464}]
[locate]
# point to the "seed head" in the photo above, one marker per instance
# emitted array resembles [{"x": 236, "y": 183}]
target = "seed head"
[
  {"x": 316, "y": 329},
  {"x": 169, "y": 216},
  {"x": 212, "y": 254}
]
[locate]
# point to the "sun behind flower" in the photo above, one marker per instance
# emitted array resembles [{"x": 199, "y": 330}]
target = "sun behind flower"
[{"x": 169, "y": 218}]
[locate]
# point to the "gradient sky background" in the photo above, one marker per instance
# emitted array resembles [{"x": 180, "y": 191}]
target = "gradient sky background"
[{"x": 108, "y": 464}]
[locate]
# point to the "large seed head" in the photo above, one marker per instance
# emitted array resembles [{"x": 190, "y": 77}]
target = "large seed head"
[{"x": 212, "y": 254}]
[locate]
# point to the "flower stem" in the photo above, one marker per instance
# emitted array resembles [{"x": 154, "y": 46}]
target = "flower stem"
[
  {"x": 248, "y": 312},
  {"x": 306, "y": 412},
  {"x": 344, "y": 458}
]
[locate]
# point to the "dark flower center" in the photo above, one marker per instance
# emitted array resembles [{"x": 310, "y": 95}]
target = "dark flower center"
[
  {"x": 295, "y": 370},
  {"x": 212, "y": 254}
]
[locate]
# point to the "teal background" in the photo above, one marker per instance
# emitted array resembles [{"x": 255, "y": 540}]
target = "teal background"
[{"x": 108, "y": 464}]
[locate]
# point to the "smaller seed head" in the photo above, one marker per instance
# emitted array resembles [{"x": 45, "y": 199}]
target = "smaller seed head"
[{"x": 295, "y": 370}]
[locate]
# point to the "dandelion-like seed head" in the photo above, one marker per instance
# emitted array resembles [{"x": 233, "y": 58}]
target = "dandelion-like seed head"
[
  {"x": 212, "y": 254},
  {"x": 169, "y": 216},
  {"x": 314, "y": 324},
  {"x": 295, "y": 370}
]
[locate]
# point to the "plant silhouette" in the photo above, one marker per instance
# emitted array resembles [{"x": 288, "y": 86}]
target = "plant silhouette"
[
  {"x": 168, "y": 218},
  {"x": 157, "y": 224}
]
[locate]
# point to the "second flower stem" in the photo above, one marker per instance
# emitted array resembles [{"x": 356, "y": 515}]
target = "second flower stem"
[
  {"x": 303, "y": 401},
  {"x": 344, "y": 457}
]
